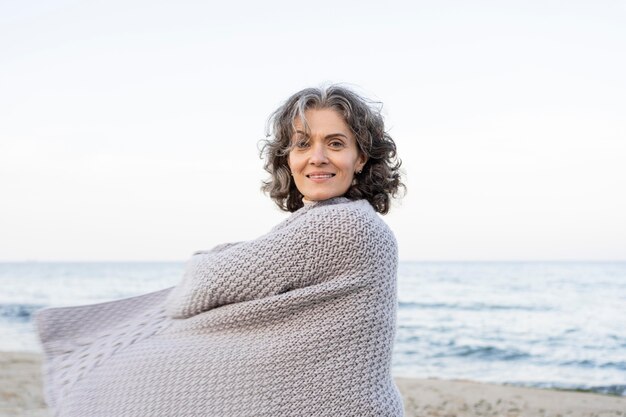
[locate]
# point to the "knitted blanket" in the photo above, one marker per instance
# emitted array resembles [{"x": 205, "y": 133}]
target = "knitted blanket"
[{"x": 298, "y": 322}]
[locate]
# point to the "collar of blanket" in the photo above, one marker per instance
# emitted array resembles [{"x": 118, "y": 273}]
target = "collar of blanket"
[{"x": 332, "y": 200}]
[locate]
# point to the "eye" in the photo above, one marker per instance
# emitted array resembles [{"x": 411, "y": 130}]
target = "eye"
[
  {"x": 336, "y": 144},
  {"x": 302, "y": 143}
]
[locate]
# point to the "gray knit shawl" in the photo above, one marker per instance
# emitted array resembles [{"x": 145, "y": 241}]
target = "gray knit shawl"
[{"x": 298, "y": 322}]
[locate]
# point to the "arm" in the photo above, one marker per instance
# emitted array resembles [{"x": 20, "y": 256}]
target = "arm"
[{"x": 323, "y": 244}]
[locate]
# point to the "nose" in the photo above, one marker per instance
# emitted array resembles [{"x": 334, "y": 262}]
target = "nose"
[{"x": 318, "y": 154}]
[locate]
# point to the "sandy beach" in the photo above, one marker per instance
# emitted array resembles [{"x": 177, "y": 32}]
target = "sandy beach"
[{"x": 21, "y": 395}]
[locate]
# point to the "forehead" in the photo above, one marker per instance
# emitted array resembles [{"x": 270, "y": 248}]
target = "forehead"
[{"x": 322, "y": 120}]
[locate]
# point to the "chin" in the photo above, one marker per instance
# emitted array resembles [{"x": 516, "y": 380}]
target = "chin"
[{"x": 321, "y": 196}]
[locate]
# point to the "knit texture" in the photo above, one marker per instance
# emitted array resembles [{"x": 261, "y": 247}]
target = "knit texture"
[{"x": 298, "y": 322}]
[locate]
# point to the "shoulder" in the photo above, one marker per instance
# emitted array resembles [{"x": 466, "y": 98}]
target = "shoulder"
[
  {"x": 358, "y": 216},
  {"x": 344, "y": 205},
  {"x": 349, "y": 209},
  {"x": 341, "y": 209}
]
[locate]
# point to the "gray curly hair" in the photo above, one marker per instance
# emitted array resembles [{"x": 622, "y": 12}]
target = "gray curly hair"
[{"x": 380, "y": 177}]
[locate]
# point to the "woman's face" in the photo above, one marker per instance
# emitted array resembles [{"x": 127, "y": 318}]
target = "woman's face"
[{"x": 324, "y": 160}]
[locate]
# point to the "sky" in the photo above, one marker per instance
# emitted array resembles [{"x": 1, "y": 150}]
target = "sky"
[{"x": 130, "y": 130}]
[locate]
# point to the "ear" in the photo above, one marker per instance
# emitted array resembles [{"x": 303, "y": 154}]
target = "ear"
[{"x": 361, "y": 161}]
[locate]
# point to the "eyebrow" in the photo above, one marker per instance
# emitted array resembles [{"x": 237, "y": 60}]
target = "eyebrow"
[{"x": 332, "y": 135}]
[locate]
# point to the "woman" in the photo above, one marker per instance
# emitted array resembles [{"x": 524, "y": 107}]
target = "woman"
[{"x": 298, "y": 322}]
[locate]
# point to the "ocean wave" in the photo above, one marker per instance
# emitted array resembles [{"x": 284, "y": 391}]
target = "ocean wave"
[
  {"x": 484, "y": 352},
  {"x": 587, "y": 363},
  {"x": 18, "y": 312},
  {"x": 617, "y": 389},
  {"x": 470, "y": 306},
  {"x": 610, "y": 389}
]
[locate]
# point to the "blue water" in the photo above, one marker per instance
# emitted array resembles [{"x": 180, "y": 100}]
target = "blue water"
[{"x": 534, "y": 324}]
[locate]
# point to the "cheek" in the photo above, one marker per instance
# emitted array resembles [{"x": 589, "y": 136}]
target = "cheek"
[
  {"x": 349, "y": 164},
  {"x": 293, "y": 161}
]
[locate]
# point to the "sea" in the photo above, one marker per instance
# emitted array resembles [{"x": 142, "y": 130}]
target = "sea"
[{"x": 538, "y": 324}]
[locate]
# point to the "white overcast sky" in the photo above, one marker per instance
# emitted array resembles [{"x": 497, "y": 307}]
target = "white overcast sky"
[{"x": 129, "y": 129}]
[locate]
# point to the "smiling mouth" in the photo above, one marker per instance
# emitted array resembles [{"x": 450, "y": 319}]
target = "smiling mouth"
[{"x": 320, "y": 176}]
